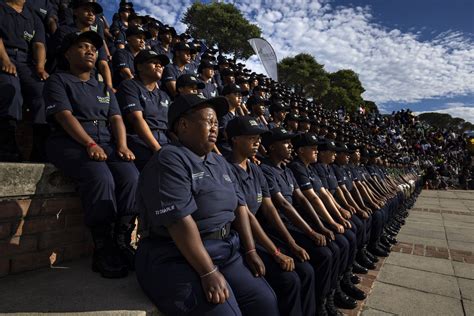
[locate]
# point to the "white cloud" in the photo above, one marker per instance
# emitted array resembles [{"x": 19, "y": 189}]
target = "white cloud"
[{"x": 393, "y": 66}]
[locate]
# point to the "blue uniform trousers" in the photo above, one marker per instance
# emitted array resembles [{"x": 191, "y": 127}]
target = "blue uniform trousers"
[
  {"x": 106, "y": 188},
  {"x": 142, "y": 153},
  {"x": 27, "y": 87},
  {"x": 175, "y": 287}
]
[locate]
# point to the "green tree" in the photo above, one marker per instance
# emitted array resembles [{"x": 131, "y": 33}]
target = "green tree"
[
  {"x": 221, "y": 24},
  {"x": 305, "y": 75},
  {"x": 370, "y": 106},
  {"x": 349, "y": 81},
  {"x": 337, "y": 97}
]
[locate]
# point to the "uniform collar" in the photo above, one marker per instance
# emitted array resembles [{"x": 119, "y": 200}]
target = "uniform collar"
[
  {"x": 25, "y": 13},
  {"x": 245, "y": 175},
  {"x": 210, "y": 158},
  {"x": 69, "y": 76}
]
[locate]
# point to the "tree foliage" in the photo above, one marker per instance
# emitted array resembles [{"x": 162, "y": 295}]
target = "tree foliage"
[
  {"x": 443, "y": 120},
  {"x": 307, "y": 77},
  {"x": 304, "y": 75},
  {"x": 221, "y": 24}
]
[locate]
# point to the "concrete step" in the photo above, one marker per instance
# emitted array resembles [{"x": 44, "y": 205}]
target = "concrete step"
[{"x": 73, "y": 289}]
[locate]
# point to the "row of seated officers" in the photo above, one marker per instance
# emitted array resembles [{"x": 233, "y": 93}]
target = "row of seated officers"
[{"x": 218, "y": 237}]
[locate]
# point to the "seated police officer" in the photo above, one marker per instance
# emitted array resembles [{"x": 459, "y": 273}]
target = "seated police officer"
[
  {"x": 295, "y": 290},
  {"x": 188, "y": 261},
  {"x": 88, "y": 143},
  {"x": 22, "y": 62},
  {"x": 300, "y": 217},
  {"x": 145, "y": 106}
]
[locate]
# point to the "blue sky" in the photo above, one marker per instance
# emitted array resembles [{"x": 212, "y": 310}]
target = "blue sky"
[{"x": 408, "y": 53}]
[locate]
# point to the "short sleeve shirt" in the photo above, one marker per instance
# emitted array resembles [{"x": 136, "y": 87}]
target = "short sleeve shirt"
[
  {"x": 177, "y": 183},
  {"x": 20, "y": 30},
  {"x": 172, "y": 72},
  {"x": 328, "y": 178},
  {"x": 133, "y": 96},
  {"x": 87, "y": 100},
  {"x": 123, "y": 58},
  {"x": 252, "y": 184},
  {"x": 210, "y": 89},
  {"x": 342, "y": 176},
  {"x": 305, "y": 176}
]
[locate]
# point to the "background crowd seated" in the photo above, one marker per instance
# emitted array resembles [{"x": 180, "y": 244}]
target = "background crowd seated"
[{"x": 442, "y": 155}]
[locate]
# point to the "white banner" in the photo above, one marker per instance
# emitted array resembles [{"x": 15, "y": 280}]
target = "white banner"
[{"x": 267, "y": 56}]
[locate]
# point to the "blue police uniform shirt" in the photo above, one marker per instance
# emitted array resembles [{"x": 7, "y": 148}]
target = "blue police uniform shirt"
[
  {"x": 133, "y": 96},
  {"x": 353, "y": 170},
  {"x": 210, "y": 89},
  {"x": 121, "y": 28},
  {"x": 176, "y": 183},
  {"x": 43, "y": 8},
  {"x": 87, "y": 100},
  {"x": 342, "y": 176},
  {"x": 253, "y": 185},
  {"x": 172, "y": 72},
  {"x": 20, "y": 30},
  {"x": 123, "y": 58},
  {"x": 305, "y": 176},
  {"x": 66, "y": 29},
  {"x": 160, "y": 50},
  {"x": 328, "y": 178}
]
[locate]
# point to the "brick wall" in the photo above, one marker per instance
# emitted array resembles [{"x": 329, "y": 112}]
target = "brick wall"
[{"x": 41, "y": 232}]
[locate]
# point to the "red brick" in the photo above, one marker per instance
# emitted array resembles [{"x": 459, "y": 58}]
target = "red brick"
[
  {"x": 62, "y": 237},
  {"x": 419, "y": 250},
  {"x": 14, "y": 208},
  {"x": 469, "y": 259},
  {"x": 4, "y": 267},
  {"x": 32, "y": 261},
  {"x": 457, "y": 258},
  {"x": 74, "y": 220},
  {"x": 18, "y": 245},
  {"x": 5, "y": 230},
  {"x": 65, "y": 205},
  {"x": 461, "y": 252},
  {"x": 39, "y": 225}
]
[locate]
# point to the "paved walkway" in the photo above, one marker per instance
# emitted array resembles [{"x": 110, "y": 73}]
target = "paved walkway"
[{"x": 431, "y": 270}]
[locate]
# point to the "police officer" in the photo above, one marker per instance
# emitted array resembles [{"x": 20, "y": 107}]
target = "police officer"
[
  {"x": 22, "y": 61},
  {"x": 188, "y": 261},
  {"x": 165, "y": 35},
  {"x": 295, "y": 290},
  {"x": 88, "y": 144},
  {"x": 206, "y": 75},
  {"x": 180, "y": 66},
  {"x": 85, "y": 19},
  {"x": 145, "y": 107},
  {"x": 123, "y": 65},
  {"x": 308, "y": 231},
  {"x": 188, "y": 84}
]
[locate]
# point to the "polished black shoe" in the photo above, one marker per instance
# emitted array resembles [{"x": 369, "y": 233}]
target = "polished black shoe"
[
  {"x": 357, "y": 268},
  {"x": 365, "y": 262},
  {"x": 353, "y": 291},
  {"x": 355, "y": 279},
  {"x": 331, "y": 309},
  {"x": 385, "y": 243},
  {"x": 342, "y": 300},
  {"x": 371, "y": 256},
  {"x": 122, "y": 237},
  {"x": 379, "y": 252},
  {"x": 385, "y": 247},
  {"x": 108, "y": 263},
  {"x": 390, "y": 240}
]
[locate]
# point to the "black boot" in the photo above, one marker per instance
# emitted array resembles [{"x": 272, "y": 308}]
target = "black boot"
[
  {"x": 342, "y": 300},
  {"x": 321, "y": 309},
  {"x": 371, "y": 256},
  {"x": 379, "y": 252},
  {"x": 364, "y": 261},
  {"x": 355, "y": 279},
  {"x": 357, "y": 268},
  {"x": 106, "y": 258},
  {"x": 8, "y": 147},
  {"x": 123, "y": 238},
  {"x": 330, "y": 307},
  {"x": 350, "y": 289}
]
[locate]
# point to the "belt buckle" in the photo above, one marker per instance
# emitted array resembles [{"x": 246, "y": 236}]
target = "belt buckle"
[{"x": 223, "y": 232}]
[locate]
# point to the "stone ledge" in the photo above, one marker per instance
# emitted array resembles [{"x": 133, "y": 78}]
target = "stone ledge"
[
  {"x": 30, "y": 179},
  {"x": 73, "y": 289}
]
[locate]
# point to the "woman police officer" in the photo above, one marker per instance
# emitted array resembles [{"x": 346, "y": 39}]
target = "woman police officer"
[
  {"x": 145, "y": 106},
  {"x": 88, "y": 143},
  {"x": 292, "y": 281},
  {"x": 188, "y": 260}
]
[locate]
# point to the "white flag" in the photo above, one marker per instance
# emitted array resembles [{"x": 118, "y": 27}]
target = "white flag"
[{"x": 267, "y": 56}]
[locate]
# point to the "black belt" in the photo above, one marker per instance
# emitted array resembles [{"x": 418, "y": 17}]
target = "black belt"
[
  {"x": 95, "y": 123},
  {"x": 222, "y": 233}
]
